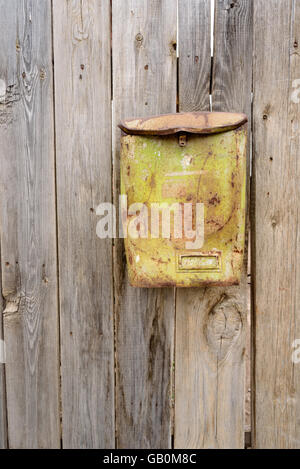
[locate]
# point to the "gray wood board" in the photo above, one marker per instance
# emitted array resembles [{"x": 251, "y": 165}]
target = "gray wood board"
[
  {"x": 83, "y": 134},
  {"x": 28, "y": 225},
  {"x": 144, "y": 74}
]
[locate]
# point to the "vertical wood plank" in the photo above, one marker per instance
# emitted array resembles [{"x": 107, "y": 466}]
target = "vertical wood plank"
[
  {"x": 28, "y": 225},
  {"x": 210, "y": 394},
  {"x": 231, "y": 91},
  {"x": 83, "y": 134},
  {"x": 276, "y": 258},
  {"x": 3, "y": 418},
  {"x": 144, "y": 74},
  {"x": 194, "y": 22}
]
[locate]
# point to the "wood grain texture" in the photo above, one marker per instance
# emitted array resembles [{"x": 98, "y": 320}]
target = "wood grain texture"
[
  {"x": 28, "y": 226},
  {"x": 211, "y": 322},
  {"x": 144, "y": 71},
  {"x": 83, "y": 132},
  {"x": 231, "y": 90},
  {"x": 194, "y": 22},
  {"x": 276, "y": 259},
  {"x": 3, "y": 417}
]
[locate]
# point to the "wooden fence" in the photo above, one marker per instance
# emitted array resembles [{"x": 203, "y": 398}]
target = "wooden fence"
[{"x": 90, "y": 361}]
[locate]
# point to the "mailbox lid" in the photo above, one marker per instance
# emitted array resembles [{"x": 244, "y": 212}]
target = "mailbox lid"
[{"x": 187, "y": 122}]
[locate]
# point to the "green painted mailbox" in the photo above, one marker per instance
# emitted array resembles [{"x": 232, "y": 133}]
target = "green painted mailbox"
[{"x": 183, "y": 186}]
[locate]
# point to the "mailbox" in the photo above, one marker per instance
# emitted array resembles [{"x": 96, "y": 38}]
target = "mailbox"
[{"x": 183, "y": 195}]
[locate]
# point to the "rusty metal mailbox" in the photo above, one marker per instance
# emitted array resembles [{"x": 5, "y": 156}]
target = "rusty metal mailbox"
[{"x": 183, "y": 180}]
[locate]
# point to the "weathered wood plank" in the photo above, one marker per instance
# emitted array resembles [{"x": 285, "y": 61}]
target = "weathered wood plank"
[
  {"x": 231, "y": 90},
  {"x": 209, "y": 395},
  {"x": 276, "y": 258},
  {"x": 194, "y": 22},
  {"x": 3, "y": 418},
  {"x": 83, "y": 130},
  {"x": 28, "y": 225},
  {"x": 144, "y": 71}
]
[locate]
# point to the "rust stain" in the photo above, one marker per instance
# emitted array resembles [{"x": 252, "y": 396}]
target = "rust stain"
[{"x": 215, "y": 200}]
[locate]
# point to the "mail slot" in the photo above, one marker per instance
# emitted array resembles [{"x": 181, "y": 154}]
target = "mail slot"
[{"x": 183, "y": 193}]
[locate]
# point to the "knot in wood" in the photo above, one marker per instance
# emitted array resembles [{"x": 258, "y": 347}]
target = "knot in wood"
[
  {"x": 139, "y": 37},
  {"x": 224, "y": 324}
]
